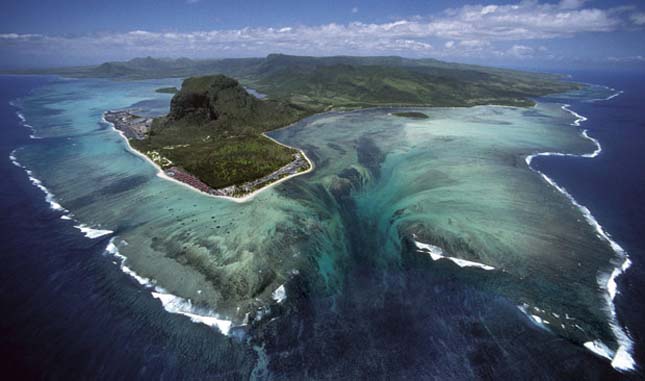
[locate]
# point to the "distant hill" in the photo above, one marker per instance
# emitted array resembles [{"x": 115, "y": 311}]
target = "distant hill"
[
  {"x": 377, "y": 81},
  {"x": 214, "y": 128},
  {"x": 346, "y": 81}
]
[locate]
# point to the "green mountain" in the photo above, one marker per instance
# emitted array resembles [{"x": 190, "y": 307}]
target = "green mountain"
[
  {"x": 214, "y": 131},
  {"x": 377, "y": 81},
  {"x": 214, "y": 128},
  {"x": 345, "y": 81}
]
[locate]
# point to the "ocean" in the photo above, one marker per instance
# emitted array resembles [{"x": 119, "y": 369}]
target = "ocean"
[
  {"x": 612, "y": 185},
  {"x": 361, "y": 295}
]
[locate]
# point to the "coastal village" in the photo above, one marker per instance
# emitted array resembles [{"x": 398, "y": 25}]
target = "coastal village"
[
  {"x": 136, "y": 127},
  {"x": 133, "y": 126}
]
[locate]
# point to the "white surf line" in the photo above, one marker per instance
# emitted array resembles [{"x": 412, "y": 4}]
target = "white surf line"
[
  {"x": 612, "y": 96},
  {"x": 535, "y": 319},
  {"x": 171, "y": 303},
  {"x": 245, "y": 198},
  {"x": 436, "y": 253},
  {"x": 54, "y": 205},
  {"x": 542, "y": 321},
  {"x": 622, "y": 358},
  {"x": 49, "y": 197},
  {"x": 23, "y": 122},
  {"x": 88, "y": 231},
  {"x": 279, "y": 294},
  {"x": 92, "y": 233}
]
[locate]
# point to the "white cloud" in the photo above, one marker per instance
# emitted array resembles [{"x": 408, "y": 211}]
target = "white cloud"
[
  {"x": 523, "y": 21},
  {"x": 572, "y": 4},
  {"x": 629, "y": 59},
  {"x": 406, "y": 45},
  {"x": 488, "y": 9},
  {"x": 638, "y": 18},
  {"x": 355, "y": 10},
  {"x": 16, "y": 36},
  {"x": 469, "y": 30},
  {"x": 474, "y": 44},
  {"x": 520, "y": 51}
]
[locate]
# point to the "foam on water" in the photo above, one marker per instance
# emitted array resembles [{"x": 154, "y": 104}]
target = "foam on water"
[
  {"x": 279, "y": 294},
  {"x": 23, "y": 121},
  {"x": 535, "y": 319},
  {"x": 622, "y": 358},
  {"x": 172, "y": 303},
  {"x": 584, "y": 134},
  {"x": 612, "y": 96},
  {"x": 88, "y": 231},
  {"x": 178, "y": 305},
  {"x": 49, "y": 197},
  {"x": 175, "y": 304},
  {"x": 92, "y": 233},
  {"x": 599, "y": 348},
  {"x": 436, "y": 253},
  {"x": 14, "y": 160}
]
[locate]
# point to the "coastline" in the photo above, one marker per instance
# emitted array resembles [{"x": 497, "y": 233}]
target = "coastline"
[
  {"x": 54, "y": 205},
  {"x": 621, "y": 359},
  {"x": 171, "y": 303},
  {"x": 245, "y": 198},
  {"x": 622, "y": 355}
]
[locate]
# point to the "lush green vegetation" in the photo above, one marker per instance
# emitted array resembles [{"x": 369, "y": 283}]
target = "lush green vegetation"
[
  {"x": 214, "y": 127},
  {"x": 322, "y": 82},
  {"x": 167, "y": 90},
  {"x": 411, "y": 114},
  {"x": 214, "y": 131},
  {"x": 375, "y": 81}
]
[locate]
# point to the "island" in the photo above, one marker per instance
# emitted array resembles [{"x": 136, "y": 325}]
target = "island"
[
  {"x": 411, "y": 115},
  {"x": 167, "y": 90}
]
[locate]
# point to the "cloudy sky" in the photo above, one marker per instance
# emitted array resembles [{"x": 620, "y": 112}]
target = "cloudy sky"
[{"x": 513, "y": 33}]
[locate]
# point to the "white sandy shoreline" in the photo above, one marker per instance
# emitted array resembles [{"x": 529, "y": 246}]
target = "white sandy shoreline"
[{"x": 245, "y": 198}]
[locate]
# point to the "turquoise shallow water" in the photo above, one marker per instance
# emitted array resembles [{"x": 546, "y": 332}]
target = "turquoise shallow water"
[{"x": 382, "y": 184}]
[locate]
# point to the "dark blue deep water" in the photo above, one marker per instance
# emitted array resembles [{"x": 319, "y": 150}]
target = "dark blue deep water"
[
  {"x": 68, "y": 313},
  {"x": 612, "y": 185}
]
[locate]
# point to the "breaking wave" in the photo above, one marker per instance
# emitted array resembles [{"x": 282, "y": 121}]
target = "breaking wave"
[
  {"x": 171, "y": 303},
  {"x": 622, "y": 358}
]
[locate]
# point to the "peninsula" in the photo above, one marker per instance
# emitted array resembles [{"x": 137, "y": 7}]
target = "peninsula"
[
  {"x": 213, "y": 138},
  {"x": 411, "y": 115},
  {"x": 344, "y": 81}
]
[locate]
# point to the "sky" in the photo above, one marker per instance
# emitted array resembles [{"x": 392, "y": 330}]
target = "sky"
[{"x": 527, "y": 34}]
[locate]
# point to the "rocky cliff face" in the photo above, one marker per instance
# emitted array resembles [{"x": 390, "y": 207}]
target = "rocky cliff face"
[
  {"x": 217, "y": 102},
  {"x": 211, "y": 98}
]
